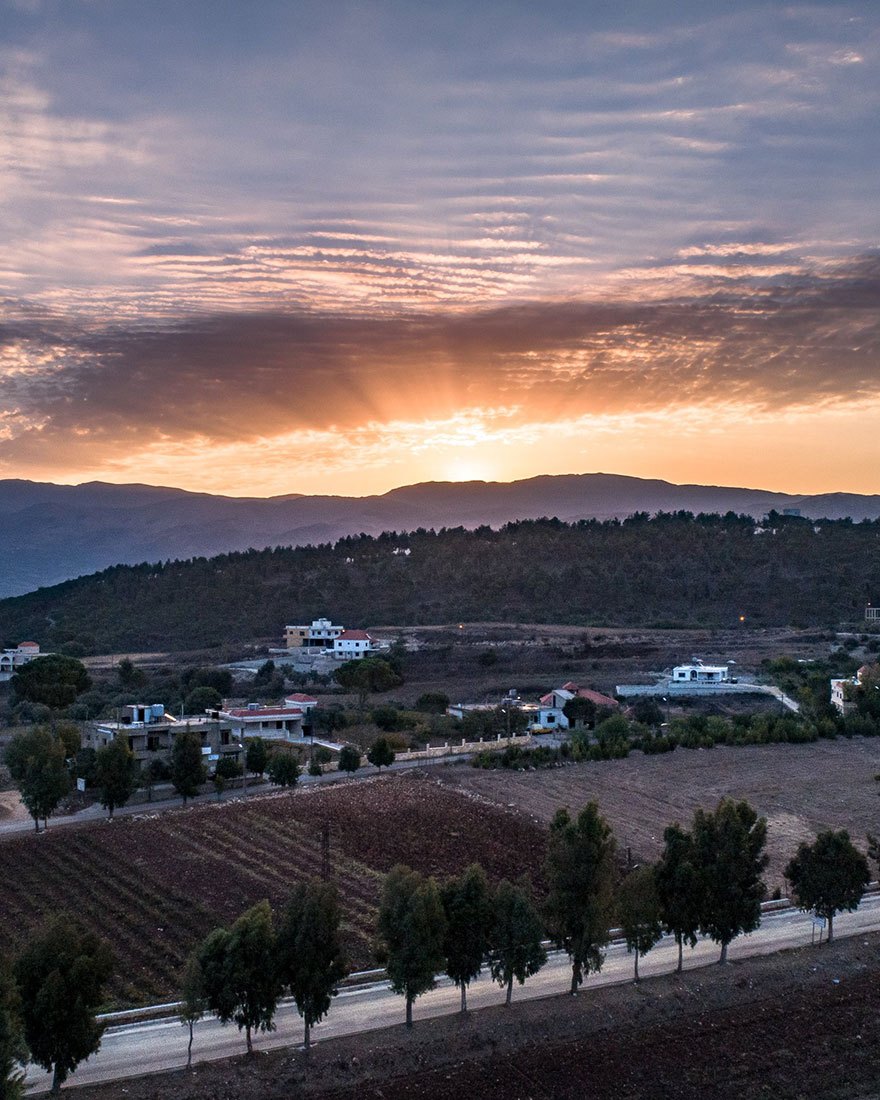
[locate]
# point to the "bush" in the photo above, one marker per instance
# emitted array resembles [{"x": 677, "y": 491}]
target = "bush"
[{"x": 432, "y": 702}]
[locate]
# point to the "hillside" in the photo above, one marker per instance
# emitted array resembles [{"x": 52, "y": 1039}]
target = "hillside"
[
  {"x": 670, "y": 570},
  {"x": 50, "y": 533}
]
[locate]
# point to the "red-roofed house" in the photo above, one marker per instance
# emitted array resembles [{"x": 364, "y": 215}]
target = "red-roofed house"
[
  {"x": 551, "y": 714},
  {"x": 352, "y": 644}
]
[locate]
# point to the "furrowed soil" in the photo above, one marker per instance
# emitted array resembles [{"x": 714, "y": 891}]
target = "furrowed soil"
[
  {"x": 799, "y": 1024},
  {"x": 155, "y": 885},
  {"x": 800, "y": 789}
]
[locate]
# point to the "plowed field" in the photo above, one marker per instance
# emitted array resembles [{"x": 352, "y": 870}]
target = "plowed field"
[
  {"x": 800, "y": 789},
  {"x": 155, "y": 885}
]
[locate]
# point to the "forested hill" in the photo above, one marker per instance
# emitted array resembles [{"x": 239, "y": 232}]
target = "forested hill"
[{"x": 670, "y": 570}]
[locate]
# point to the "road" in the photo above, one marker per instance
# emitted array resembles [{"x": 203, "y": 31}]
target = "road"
[
  {"x": 149, "y": 1047},
  {"x": 163, "y": 801}
]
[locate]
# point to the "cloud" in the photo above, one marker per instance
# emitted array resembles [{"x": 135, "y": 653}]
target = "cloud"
[{"x": 806, "y": 339}]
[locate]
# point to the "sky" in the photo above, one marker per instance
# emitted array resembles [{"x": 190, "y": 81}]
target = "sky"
[{"x": 259, "y": 247}]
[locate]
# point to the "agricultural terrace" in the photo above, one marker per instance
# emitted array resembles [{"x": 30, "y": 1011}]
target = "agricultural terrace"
[
  {"x": 154, "y": 886},
  {"x": 800, "y": 789}
]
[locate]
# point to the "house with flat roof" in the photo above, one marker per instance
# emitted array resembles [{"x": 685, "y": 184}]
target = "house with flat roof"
[
  {"x": 13, "y": 659},
  {"x": 150, "y": 732},
  {"x": 698, "y": 673},
  {"x": 278, "y": 723},
  {"x": 320, "y": 635}
]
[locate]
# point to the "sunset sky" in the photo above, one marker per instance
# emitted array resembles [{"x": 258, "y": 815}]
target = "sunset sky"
[{"x": 271, "y": 246}]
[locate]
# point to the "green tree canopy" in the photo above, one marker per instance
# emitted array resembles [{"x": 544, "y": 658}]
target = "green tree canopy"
[
  {"x": 115, "y": 774},
  {"x": 13, "y": 1049},
  {"x": 581, "y": 875},
  {"x": 381, "y": 754},
  {"x": 639, "y": 912},
  {"x": 187, "y": 767},
  {"x": 201, "y": 699},
  {"x": 580, "y": 711},
  {"x": 729, "y": 850},
  {"x": 256, "y": 756},
  {"x": 828, "y": 876},
  {"x": 433, "y": 702},
  {"x": 367, "y": 675},
  {"x": 679, "y": 888},
  {"x": 311, "y": 959},
  {"x": 53, "y": 680},
  {"x": 412, "y": 926},
  {"x": 240, "y": 972},
  {"x": 515, "y": 948},
  {"x": 349, "y": 759},
  {"x": 193, "y": 1003},
  {"x": 36, "y": 762},
  {"x": 283, "y": 769},
  {"x": 467, "y": 904},
  {"x": 61, "y": 975}
]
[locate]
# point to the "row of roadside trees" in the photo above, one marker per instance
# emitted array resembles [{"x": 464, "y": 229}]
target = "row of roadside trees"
[
  {"x": 45, "y": 763},
  {"x": 707, "y": 882}
]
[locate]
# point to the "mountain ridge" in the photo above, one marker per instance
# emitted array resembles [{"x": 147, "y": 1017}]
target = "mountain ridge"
[{"x": 52, "y": 533}]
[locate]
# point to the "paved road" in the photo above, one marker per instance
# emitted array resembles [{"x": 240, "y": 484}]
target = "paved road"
[
  {"x": 135, "y": 1049},
  {"x": 96, "y": 812}
]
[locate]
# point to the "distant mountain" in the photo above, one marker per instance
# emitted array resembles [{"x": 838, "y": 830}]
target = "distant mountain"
[{"x": 49, "y": 533}]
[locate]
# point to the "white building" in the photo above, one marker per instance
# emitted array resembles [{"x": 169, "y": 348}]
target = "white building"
[
  {"x": 12, "y": 659},
  {"x": 839, "y": 687},
  {"x": 698, "y": 673},
  {"x": 320, "y": 635},
  {"x": 872, "y": 614},
  {"x": 352, "y": 644},
  {"x": 282, "y": 723}
]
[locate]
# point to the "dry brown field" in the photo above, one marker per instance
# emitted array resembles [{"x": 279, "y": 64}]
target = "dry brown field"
[
  {"x": 800, "y": 789},
  {"x": 154, "y": 885}
]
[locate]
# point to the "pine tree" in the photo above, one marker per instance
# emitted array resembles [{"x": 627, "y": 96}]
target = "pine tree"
[
  {"x": 13, "y": 1050},
  {"x": 581, "y": 874},
  {"x": 187, "y": 768},
  {"x": 115, "y": 774},
  {"x": 412, "y": 926},
  {"x": 193, "y": 1004},
  {"x": 828, "y": 876},
  {"x": 311, "y": 959},
  {"x": 515, "y": 947},
  {"x": 240, "y": 972},
  {"x": 679, "y": 888},
  {"x": 381, "y": 754},
  {"x": 37, "y": 764},
  {"x": 61, "y": 976},
  {"x": 467, "y": 903},
  {"x": 729, "y": 851},
  {"x": 639, "y": 911}
]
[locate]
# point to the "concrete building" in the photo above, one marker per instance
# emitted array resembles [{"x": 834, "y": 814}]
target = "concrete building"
[
  {"x": 281, "y": 723},
  {"x": 698, "y": 673},
  {"x": 150, "y": 733},
  {"x": 872, "y": 614},
  {"x": 12, "y": 659},
  {"x": 320, "y": 635}
]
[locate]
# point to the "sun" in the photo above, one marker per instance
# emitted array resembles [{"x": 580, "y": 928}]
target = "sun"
[{"x": 471, "y": 468}]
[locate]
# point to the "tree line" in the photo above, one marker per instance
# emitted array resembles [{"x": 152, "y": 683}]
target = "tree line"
[
  {"x": 707, "y": 882},
  {"x": 667, "y": 570}
]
